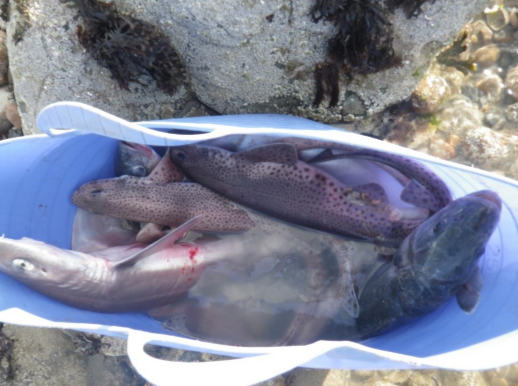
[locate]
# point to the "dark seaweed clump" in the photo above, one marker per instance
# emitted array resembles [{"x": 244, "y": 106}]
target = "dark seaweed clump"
[
  {"x": 128, "y": 47},
  {"x": 363, "y": 42},
  {"x": 412, "y": 8}
]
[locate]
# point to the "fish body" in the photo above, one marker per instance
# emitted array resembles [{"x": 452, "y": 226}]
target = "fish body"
[
  {"x": 120, "y": 279},
  {"x": 425, "y": 189},
  {"x": 139, "y": 199},
  {"x": 273, "y": 181},
  {"x": 432, "y": 265}
]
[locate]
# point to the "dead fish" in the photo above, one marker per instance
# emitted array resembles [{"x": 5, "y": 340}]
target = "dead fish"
[
  {"x": 432, "y": 265},
  {"x": 425, "y": 189},
  {"x": 271, "y": 180},
  {"x": 139, "y": 199},
  {"x": 120, "y": 279},
  {"x": 136, "y": 160}
]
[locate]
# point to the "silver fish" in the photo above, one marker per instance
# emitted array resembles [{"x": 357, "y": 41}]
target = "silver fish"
[
  {"x": 120, "y": 279},
  {"x": 272, "y": 180}
]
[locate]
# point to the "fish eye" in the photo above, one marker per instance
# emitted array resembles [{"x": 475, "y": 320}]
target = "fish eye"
[
  {"x": 181, "y": 155},
  {"x": 165, "y": 228},
  {"x": 96, "y": 192},
  {"x": 439, "y": 226},
  {"x": 138, "y": 171},
  {"x": 23, "y": 264}
]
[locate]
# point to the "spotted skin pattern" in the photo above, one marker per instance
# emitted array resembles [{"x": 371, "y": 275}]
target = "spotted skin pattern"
[
  {"x": 293, "y": 191},
  {"x": 138, "y": 199}
]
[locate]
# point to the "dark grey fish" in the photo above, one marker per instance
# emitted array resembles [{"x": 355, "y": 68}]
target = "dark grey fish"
[
  {"x": 432, "y": 265},
  {"x": 136, "y": 160},
  {"x": 271, "y": 180}
]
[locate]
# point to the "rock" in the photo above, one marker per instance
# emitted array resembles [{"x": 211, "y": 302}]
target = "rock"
[
  {"x": 113, "y": 371},
  {"x": 512, "y": 375},
  {"x": 44, "y": 357},
  {"x": 430, "y": 93},
  {"x": 111, "y": 346},
  {"x": 5, "y": 124},
  {"x": 513, "y": 17},
  {"x": 4, "y": 61},
  {"x": 395, "y": 376},
  {"x": 454, "y": 78},
  {"x": 493, "y": 87},
  {"x": 511, "y": 81},
  {"x": 505, "y": 35},
  {"x": 309, "y": 377},
  {"x": 13, "y": 115},
  {"x": 352, "y": 105},
  {"x": 422, "y": 378},
  {"x": 13, "y": 133},
  {"x": 498, "y": 18},
  {"x": 459, "y": 116},
  {"x": 486, "y": 56},
  {"x": 511, "y": 112},
  {"x": 498, "y": 382},
  {"x": 454, "y": 140},
  {"x": 485, "y": 147},
  {"x": 493, "y": 117},
  {"x": 240, "y": 58},
  {"x": 441, "y": 149}
]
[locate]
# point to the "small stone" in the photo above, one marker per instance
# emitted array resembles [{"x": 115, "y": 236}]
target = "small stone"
[
  {"x": 482, "y": 32},
  {"x": 454, "y": 78},
  {"x": 442, "y": 149},
  {"x": 511, "y": 81},
  {"x": 484, "y": 146},
  {"x": 11, "y": 112},
  {"x": 513, "y": 17},
  {"x": 504, "y": 36},
  {"x": 497, "y": 19},
  {"x": 486, "y": 56},
  {"x": 353, "y": 104},
  {"x": 493, "y": 116},
  {"x": 459, "y": 116},
  {"x": 14, "y": 133},
  {"x": 114, "y": 347},
  {"x": 511, "y": 112},
  {"x": 429, "y": 94},
  {"x": 454, "y": 140},
  {"x": 395, "y": 376},
  {"x": 512, "y": 375},
  {"x": 498, "y": 382},
  {"x": 420, "y": 378},
  {"x": 493, "y": 87}
]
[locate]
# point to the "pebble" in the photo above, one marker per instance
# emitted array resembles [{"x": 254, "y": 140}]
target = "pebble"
[
  {"x": 459, "y": 116},
  {"x": 498, "y": 19},
  {"x": 12, "y": 114},
  {"x": 484, "y": 147},
  {"x": 511, "y": 112},
  {"x": 486, "y": 56},
  {"x": 441, "y": 149},
  {"x": 493, "y": 116},
  {"x": 513, "y": 17},
  {"x": 454, "y": 78},
  {"x": 454, "y": 140},
  {"x": 429, "y": 94},
  {"x": 511, "y": 81},
  {"x": 480, "y": 31},
  {"x": 505, "y": 35},
  {"x": 493, "y": 87}
]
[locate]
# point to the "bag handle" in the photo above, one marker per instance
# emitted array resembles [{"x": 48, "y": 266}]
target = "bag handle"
[
  {"x": 64, "y": 117},
  {"x": 265, "y": 363}
]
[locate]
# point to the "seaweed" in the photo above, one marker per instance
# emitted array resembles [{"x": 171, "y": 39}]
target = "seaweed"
[
  {"x": 412, "y": 8},
  {"x": 363, "y": 42},
  {"x": 326, "y": 76},
  {"x": 129, "y": 47}
]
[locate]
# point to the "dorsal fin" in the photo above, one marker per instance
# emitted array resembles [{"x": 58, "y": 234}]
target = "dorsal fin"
[
  {"x": 278, "y": 153},
  {"x": 165, "y": 242}
]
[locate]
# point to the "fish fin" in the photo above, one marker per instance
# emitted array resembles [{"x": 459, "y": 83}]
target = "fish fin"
[
  {"x": 163, "y": 243},
  {"x": 373, "y": 192},
  {"x": 323, "y": 155},
  {"x": 278, "y": 153},
  {"x": 416, "y": 194},
  {"x": 469, "y": 295},
  {"x": 166, "y": 171},
  {"x": 151, "y": 233}
]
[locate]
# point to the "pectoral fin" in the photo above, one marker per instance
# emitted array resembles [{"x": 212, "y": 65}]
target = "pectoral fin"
[
  {"x": 469, "y": 295},
  {"x": 278, "y": 153},
  {"x": 163, "y": 243}
]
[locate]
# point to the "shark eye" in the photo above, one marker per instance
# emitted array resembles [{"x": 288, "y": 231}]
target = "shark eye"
[
  {"x": 96, "y": 192},
  {"x": 138, "y": 171},
  {"x": 23, "y": 264},
  {"x": 439, "y": 226},
  {"x": 181, "y": 155}
]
